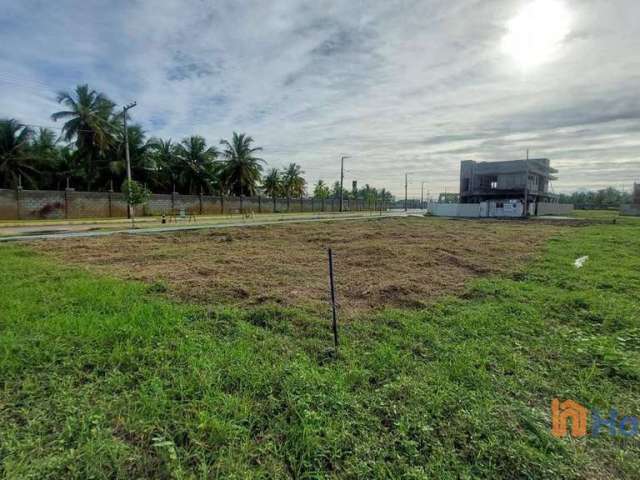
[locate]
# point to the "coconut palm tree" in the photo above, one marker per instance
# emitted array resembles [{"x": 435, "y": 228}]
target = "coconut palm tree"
[
  {"x": 45, "y": 151},
  {"x": 16, "y": 157},
  {"x": 197, "y": 169},
  {"x": 44, "y": 142},
  {"x": 89, "y": 122},
  {"x": 65, "y": 167},
  {"x": 167, "y": 163},
  {"x": 142, "y": 165},
  {"x": 272, "y": 185},
  {"x": 293, "y": 182},
  {"x": 241, "y": 172},
  {"x": 321, "y": 190}
]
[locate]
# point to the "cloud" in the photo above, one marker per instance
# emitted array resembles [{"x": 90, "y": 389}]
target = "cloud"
[{"x": 398, "y": 85}]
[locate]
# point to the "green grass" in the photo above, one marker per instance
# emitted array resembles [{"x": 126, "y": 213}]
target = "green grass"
[{"x": 101, "y": 378}]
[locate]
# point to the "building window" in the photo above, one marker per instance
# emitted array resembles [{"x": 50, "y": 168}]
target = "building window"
[
  {"x": 494, "y": 185},
  {"x": 499, "y": 205},
  {"x": 465, "y": 185}
]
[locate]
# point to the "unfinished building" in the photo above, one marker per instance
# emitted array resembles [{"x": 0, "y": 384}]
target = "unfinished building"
[
  {"x": 634, "y": 208},
  {"x": 508, "y": 188}
]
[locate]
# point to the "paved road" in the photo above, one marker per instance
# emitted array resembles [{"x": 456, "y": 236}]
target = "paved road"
[{"x": 178, "y": 228}]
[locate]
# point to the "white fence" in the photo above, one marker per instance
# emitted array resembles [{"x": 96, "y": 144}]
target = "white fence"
[
  {"x": 496, "y": 209},
  {"x": 454, "y": 209}
]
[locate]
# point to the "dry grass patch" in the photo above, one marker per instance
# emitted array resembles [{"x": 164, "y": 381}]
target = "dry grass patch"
[{"x": 381, "y": 262}]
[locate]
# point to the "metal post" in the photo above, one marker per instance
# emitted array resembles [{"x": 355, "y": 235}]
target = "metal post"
[
  {"x": 19, "y": 198},
  {"x": 333, "y": 302},
  {"x": 130, "y": 210},
  {"x": 341, "y": 183},
  {"x": 406, "y": 183}
]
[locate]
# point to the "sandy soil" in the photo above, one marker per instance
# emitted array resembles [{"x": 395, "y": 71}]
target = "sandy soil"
[{"x": 386, "y": 262}]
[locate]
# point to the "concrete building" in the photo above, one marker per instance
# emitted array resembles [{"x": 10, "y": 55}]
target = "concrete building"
[
  {"x": 634, "y": 208},
  {"x": 510, "y": 188}
]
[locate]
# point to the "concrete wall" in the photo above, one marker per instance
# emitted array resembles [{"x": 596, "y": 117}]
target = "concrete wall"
[
  {"x": 454, "y": 209},
  {"x": 554, "y": 208},
  {"x": 44, "y": 204}
]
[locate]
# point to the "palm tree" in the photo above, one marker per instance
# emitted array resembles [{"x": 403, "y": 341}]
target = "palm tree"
[
  {"x": 44, "y": 143},
  {"x": 293, "y": 182},
  {"x": 241, "y": 172},
  {"x": 197, "y": 168},
  {"x": 16, "y": 159},
  {"x": 142, "y": 164},
  {"x": 321, "y": 190},
  {"x": 272, "y": 185},
  {"x": 167, "y": 163},
  {"x": 45, "y": 151},
  {"x": 89, "y": 117},
  {"x": 65, "y": 167}
]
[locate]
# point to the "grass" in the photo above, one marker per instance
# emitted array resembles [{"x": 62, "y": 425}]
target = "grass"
[
  {"x": 101, "y": 378},
  {"x": 379, "y": 261}
]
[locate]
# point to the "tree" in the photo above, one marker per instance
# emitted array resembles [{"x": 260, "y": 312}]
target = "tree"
[
  {"x": 293, "y": 182},
  {"x": 142, "y": 164},
  {"x": 65, "y": 166},
  {"x": 272, "y": 185},
  {"x": 368, "y": 194},
  {"x": 605, "y": 198},
  {"x": 242, "y": 170},
  {"x": 166, "y": 161},
  {"x": 43, "y": 144},
  {"x": 335, "y": 191},
  {"x": 134, "y": 194},
  {"x": 321, "y": 190},
  {"x": 196, "y": 168},
  {"x": 89, "y": 123},
  {"x": 16, "y": 157}
]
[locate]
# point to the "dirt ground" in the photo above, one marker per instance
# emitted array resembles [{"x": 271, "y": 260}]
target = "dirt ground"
[{"x": 385, "y": 262}]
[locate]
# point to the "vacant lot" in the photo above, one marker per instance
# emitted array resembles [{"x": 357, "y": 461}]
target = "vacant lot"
[
  {"x": 397, "y": 262},
  {"x": 102, "y": 378}
]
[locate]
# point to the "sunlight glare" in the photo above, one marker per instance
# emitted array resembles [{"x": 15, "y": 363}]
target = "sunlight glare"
[{"x": 537, "y": 32}]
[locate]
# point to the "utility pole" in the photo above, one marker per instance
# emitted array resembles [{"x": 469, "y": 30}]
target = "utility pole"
[
  {"x": 342, "y": 183},
  {"x": 125, "y": 109},
  {"x": 422, "y": 195},
  {"x": 406, "y": 185}
]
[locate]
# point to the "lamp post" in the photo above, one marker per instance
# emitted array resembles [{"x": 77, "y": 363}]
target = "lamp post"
[
  {"x": 342, "y": 182},
  {"x": 130, "y": 210}
]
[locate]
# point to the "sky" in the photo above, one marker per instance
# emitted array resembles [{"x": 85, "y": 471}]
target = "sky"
[{"x": 400, "y": 87}]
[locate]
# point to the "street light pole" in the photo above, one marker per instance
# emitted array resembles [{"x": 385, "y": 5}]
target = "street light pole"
[
  {"x": 125, "y": 109},
  {"x": 406, "y": 184},
  {"x": 422, "y": 196},
  {"x": 341, "y": 183}
]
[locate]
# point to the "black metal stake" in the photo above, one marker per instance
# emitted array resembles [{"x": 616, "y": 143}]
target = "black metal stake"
[{"x": 333, "y": 302}]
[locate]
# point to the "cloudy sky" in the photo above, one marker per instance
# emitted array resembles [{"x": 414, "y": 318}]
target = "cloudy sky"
[{"x": 399, "y": 86}]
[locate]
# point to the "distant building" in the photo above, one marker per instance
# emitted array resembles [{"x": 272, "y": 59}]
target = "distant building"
[
  {"x": 505, "y": 187},
  {"x": 634, "y": 208}
]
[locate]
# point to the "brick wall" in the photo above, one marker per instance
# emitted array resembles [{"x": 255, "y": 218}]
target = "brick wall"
[{"x": 49, "y": 204}]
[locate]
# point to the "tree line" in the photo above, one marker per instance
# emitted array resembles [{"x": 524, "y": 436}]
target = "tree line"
[
  {"x": 90, "y": 153},
  {"x": 606, "y": 197}
]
